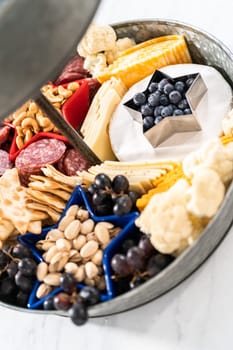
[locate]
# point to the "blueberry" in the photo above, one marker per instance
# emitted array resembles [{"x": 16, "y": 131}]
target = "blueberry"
[
  {"x": 148, "y": 122},
  {"x": 157, "y": 111},
  {"x": 139, "y": 98},
  {"x": 164, "y": 100},
  {"x": 168, "y": 88},
  {"x": 175, "y": 97},
  {"x": 187, "y": 111},
  {"x": 153, "y": 87},
  {"x": 153, "y": 100},
  {"x": 146, "y": 110},
  {"x": 189, "y": 82},
  {"x": 158, "y": 119},
  {"x": 166, "y": 111},
  {"x": 178, "y": 112},
  {"x": 162, "y": 83},
  {"x": 183, "y": 104},
  {"x": 172, "y": 106},
  {"x": 180, "y": 86}
]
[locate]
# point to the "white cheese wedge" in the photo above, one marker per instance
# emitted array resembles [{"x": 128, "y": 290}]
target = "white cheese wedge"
[
  {"x": 96, "y": 123},
  {"x": 126, "y": 135}
]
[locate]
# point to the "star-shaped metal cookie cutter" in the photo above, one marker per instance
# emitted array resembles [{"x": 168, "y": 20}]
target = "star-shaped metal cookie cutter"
[{"x": 171, "y": 125}]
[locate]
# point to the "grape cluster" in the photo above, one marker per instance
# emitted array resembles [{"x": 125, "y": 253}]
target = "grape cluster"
[
  {"x": 17, "y": 275},
  {"x": 136, "y": 262},
  {"x": 112, "y": 197},
  {"x": 71, "y": 300},
  {"x": 163, "y": 99}
]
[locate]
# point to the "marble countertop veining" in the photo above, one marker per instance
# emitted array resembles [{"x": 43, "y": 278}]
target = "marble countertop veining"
[{"x": 196, "y": 315}]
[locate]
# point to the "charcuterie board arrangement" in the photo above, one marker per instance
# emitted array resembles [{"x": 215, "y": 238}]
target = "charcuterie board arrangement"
[{"x": 155, "y": 106}]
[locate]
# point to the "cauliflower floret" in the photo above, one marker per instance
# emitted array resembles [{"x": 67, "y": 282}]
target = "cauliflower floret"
[
  {"x": 125, "y": 43},
  {"x": 95, "y": 63},
  {"x": 121, "y": 45},
  {"x": 98, "y": 38},
  {"x": 227, "y": 124},
  {"x": 166, "y": 219},
  {"x": 212, "y": 155},
  {"x": 206, "y": 193}
]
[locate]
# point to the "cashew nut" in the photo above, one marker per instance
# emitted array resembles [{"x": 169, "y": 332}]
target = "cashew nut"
[
  {"x": 42, "y": 121},
  {"x": 73, "y": 86},
  {"x": 49, "y": 127},
  {"x": 53, "y": 98},
  {"x": 33, "y": 107},
  {"x": 28, "y": 135},
  {"x": 64, "y": 92},
  {"x": 19, "y": 131},
  {"x": 32, "y": 123},
  {"x": 18, "y": 118},
  {"x": 19, "y": 141}
]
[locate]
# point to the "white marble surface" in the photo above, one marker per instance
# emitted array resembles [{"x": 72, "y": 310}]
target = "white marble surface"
[{"x": 198, "y": 314}]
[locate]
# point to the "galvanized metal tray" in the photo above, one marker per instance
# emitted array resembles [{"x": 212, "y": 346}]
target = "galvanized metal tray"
[{"x": 205, "y": 49}]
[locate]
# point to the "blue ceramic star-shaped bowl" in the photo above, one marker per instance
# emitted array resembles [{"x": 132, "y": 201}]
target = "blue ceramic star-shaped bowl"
[{"x": 126, "y": 222}]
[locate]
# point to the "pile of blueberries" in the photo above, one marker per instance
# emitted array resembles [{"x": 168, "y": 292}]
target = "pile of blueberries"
[{"x": 162, "y": 99}]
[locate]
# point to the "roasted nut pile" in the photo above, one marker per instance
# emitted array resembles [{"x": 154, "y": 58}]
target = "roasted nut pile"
[
  {"x": 58, "y": 95},
  {"x": 28, "y": 121},
  {"x": 75, "y": 247}
]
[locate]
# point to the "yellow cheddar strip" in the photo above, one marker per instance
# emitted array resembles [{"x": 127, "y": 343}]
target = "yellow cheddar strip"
[
  {"x": 226, "y": 139},
  {"x": 137, "y": 62},
  {"x": 161, "y": 184}
]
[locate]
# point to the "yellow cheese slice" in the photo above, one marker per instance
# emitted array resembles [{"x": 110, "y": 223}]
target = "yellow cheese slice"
[{"x": 141, "y": 60}]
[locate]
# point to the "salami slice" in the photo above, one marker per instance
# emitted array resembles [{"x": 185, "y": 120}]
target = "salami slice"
[
  {"x": 74, "y": 70},
  {"x": 4, "y": 162},
  {"x": 4, "y": 133},
  {"x": 37, "y": 155},
  {"x": 60, "y": 164},
  {"x": 74, "y": 162}
]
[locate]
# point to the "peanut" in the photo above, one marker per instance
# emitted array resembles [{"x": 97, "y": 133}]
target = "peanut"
[
  {"x": 72, "y": 211},
  {"x": 50, "y": 253},
  {"x": 80, "y": 274},
  {"x": 82, "y": 214},
  {"x": 102, "y": 233},
  {"x": 71, "y": 267},
  {"x": 55, "y": 234},
  {"x": 63, "y": 244},
  {"x": 79, "y": 242},
  {"x": 73, "y": 229},
  {"x": 43, "y": 290},
  {"x": 53, "y": 279},
  {"x": 42, "y": 270},
  {"x": 87, "y": 226},
  {"x": 89, "y": 249},
  {"x": 97, "y": 257},
  {"x": 65, "y": 221},
  {"x": 91, "y": 270}
]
